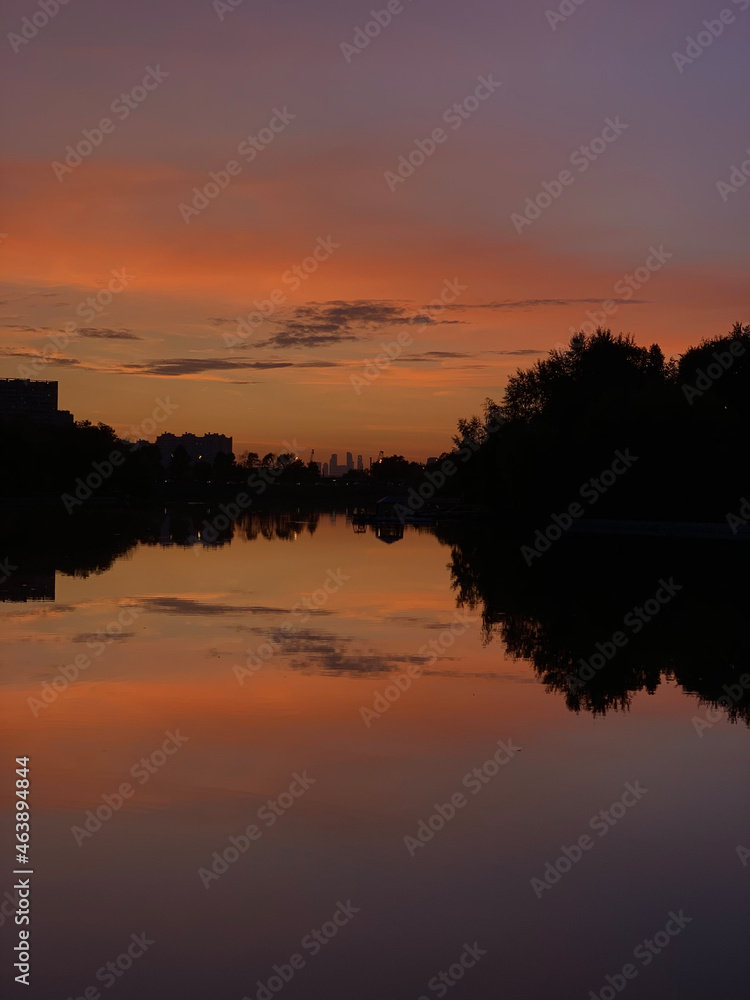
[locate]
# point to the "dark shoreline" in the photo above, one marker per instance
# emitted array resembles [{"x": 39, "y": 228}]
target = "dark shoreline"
[{"x": 343, "y": 496}]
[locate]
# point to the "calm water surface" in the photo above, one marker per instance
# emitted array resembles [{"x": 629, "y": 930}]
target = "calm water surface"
[{"x": 320, "y": 704}]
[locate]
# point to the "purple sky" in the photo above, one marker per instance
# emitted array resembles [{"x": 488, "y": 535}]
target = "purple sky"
[{"x": 325, "y": 175}]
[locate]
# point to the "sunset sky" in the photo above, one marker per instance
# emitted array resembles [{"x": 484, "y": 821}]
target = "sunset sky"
[{"x": 217, "y": 74}]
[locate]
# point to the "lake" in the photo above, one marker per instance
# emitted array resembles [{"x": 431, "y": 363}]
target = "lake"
[{"x": 316, "y": 761}]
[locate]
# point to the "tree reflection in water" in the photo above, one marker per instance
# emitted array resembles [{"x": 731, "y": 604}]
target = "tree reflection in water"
[
  {"x": 551, "y": 614},
  {"x": 578, "y": 594},
  {"x": 39, "y": 542}
]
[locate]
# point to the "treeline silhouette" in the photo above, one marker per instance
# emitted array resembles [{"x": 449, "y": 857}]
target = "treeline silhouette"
[
  {"x": 555, "y": 613},
  {"x": 42, "y": 460},
  {"x": 86, "y": 463},
  {"x": 683, "y": 423},
  {"x": 285, "y": 469},
  {"x": 561, "y": 422}
]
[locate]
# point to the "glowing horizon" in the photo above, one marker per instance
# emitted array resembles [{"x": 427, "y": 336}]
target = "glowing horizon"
[{"x": 397, "y": 167}]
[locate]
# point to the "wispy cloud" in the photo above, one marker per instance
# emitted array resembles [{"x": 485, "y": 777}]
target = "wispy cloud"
[
  {"x": 320, "y": 324},
  {"x": 20, "y": 352},
  {"x": 325, "y": 653},
  {"x": 97, "y": 332},
  {"x": 97, "y": 636},
  {"x": 196, "y": 366},
  {"x": 534, "y": 303},
  {"x": 190, "y": 606},
  {"x": 437, "y": 356},
  {"x": 105, "y": 333}
]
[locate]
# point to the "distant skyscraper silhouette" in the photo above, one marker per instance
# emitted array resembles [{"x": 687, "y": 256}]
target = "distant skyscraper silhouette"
[
  {"x": 360, "y": 467},
  {"x": 349, "y": 460}
]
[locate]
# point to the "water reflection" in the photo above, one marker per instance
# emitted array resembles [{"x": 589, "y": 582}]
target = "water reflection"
[
  {"x": 151, "y": 619},
  {"x": 560, "y": 614},
  {"x": 27, "y": 585},
  {"x": 38, "y": 543}
]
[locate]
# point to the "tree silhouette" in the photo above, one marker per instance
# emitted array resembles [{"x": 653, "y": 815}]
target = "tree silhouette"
[
  {"x": 565, "y": 418},
  {"x": 554, "y": 614},
  {"x": 223, "y": 466},
  {"x": 179, "y": 464}
]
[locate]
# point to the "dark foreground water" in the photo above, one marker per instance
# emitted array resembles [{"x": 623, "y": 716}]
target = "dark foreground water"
[{"x": 291, "y": 764}]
